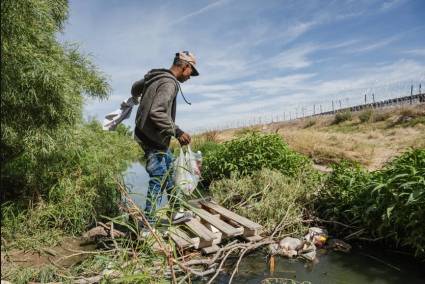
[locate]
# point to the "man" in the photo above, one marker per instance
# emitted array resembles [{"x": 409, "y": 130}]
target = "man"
[{"x": 155, "y": 125}]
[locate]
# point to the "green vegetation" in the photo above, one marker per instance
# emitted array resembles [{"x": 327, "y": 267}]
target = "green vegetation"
[
  {"x": 342, "y": 116},
  {"x": 251, "y": 153},
  {"x": 371, "y": 115},
  {"x": 389, "y": 203},
  {"x": 58, "y": 172},
  {"x": 78, "y": 184},
  {"x": 268, "y": 197},
  {"x": 366, "y": 115}
]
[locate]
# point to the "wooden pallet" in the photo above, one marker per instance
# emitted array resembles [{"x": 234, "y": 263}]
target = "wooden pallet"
[{"x": 213, "y": 223}]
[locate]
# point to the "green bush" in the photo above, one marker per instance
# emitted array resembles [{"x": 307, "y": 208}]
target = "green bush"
[
  {"x": 389, "y": 203},
  {"x": 252, "y": 152},
  {"x": 366, "y": 115},
  {"x": 342, "y": 116},
  {"x": 58, "y": 173},
  {"x": 76, "y": 184}
]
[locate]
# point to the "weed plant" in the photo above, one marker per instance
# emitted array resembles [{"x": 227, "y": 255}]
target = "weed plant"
[
  {"x": 389, "y": 203},
  {"x": 76, "y": 183},
  {"x": 341, "y": 117},
  {"x": 366, "y": 115},
  {"x": 250, "y": 153},
  {"x": 268, "y": 196}
]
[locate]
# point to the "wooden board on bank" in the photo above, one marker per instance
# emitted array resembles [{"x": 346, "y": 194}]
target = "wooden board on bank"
[{"x": 212, "y": 224}]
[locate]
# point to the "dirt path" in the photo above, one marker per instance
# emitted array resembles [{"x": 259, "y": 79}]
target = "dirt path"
[{"x": 70, "y": 252}]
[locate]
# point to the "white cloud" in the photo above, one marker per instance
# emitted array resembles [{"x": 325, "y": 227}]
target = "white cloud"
[
  {"x": 417, "y": 51},
  {"x": 199, "y": 11},
  {"x": 375, "y": 45},
  {"x": 391, "y": 4},
  {"x": 294, "y": 58},
  {"x": 253, "y": 59}
]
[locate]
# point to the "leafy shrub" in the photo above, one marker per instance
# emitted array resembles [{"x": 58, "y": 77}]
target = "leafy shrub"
[
  {"x": 76, "y": 183},
  {"x": 366, "y": 115},
  {"x": 390, "y": 203},
  {"x": 250, "y": 153},
  {"x": 370, "y": 115},
  {"x": 342, "y": 116}
]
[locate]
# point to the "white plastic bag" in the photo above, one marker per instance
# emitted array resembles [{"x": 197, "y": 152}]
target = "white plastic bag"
[
  {"x": 187, "y": 170},
  {"x": 114, "y": 118}
]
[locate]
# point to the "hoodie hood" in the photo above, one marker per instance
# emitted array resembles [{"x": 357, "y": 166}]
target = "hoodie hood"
[{"x": 156, "y": 74}]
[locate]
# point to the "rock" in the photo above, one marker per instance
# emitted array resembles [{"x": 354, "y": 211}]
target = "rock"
[{"x": 338, "y": 245}]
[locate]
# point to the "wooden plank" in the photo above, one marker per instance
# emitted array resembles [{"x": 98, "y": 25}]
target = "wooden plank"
[
  {"x": 218, "y": 234},
  {"x": 195, "y": 202},
  {"x": 200, "y": 230},
  {"x": 180, "y": 238},
  {"x": 216, "y": 222},
  {"x": 211, "y": 249},
  {"x": 225, "y": 213}
]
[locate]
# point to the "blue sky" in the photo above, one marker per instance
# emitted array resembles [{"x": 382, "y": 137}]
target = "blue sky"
[{"x": 256, "y": 58}]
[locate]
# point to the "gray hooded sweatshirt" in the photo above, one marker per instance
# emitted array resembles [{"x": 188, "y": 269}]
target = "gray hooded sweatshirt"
[{"x": 157, "y": 110}]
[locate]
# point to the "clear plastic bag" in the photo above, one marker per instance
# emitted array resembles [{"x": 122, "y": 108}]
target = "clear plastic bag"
[{"x": 187, "y": 170}]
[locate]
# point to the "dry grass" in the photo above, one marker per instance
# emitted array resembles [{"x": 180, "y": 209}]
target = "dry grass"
[{"x": 388, "y": 133}]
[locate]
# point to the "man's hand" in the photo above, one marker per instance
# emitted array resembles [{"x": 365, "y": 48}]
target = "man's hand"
[{"x": 184, "y": 139}]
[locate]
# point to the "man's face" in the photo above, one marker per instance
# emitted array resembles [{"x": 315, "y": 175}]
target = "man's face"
[{"x": 185, "y": 74}]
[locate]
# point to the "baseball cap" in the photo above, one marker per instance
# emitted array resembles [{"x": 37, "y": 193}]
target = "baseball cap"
[{"x": 189, "y": 58}]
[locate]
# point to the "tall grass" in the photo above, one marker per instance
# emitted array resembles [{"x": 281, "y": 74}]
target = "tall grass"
[
  {"x": 268, "y": 197},
  {"x": 76, "y": 184}
]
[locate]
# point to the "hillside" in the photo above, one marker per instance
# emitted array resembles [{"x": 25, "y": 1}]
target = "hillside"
[{"x": 370, "y": 137}]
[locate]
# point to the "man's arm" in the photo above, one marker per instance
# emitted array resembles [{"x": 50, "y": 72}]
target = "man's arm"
[{"x": 137, "y": 89}]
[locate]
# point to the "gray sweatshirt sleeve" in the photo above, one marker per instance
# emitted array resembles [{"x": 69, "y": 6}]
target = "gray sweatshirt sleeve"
[
  {"x": 137, "y": 89},
  {"x": 162, "y": 102}
]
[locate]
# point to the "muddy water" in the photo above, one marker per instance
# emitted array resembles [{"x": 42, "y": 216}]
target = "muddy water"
[{"x": 359, "y": 266}]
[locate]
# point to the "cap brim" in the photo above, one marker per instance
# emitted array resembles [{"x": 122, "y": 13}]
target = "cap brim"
[{"x": 194, "y": 71}]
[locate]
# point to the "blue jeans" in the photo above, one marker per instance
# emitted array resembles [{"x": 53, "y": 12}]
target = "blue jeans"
[{"x": 159, "y": 165}]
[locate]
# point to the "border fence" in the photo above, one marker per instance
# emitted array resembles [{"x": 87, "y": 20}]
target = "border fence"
[{"x": 317, "y": 110}]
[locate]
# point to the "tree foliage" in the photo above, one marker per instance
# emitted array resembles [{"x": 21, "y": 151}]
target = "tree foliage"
[
  {"x": 43, "y": 83},
  {"x": 42, "y": 80}
]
